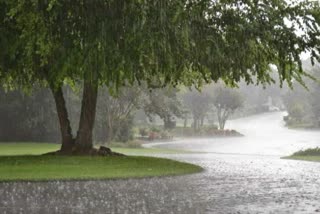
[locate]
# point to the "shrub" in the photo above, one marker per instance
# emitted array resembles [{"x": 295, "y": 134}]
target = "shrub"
[{"x": 308, "y": 152}]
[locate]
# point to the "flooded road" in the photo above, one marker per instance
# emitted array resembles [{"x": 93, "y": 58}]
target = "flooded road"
[
  {"x": 242, "y": 175},
  {"x": 264, "y": 134}
]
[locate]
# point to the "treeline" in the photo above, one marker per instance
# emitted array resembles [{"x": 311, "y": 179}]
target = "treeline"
[
  {"x": 28, "y": 118},
  {"x": 33, "y": 117},
  {"x": 303, "y": 102}
]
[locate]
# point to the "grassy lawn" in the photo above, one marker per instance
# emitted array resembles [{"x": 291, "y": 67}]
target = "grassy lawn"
[
  {"x": 22, "y": 162},
  {"x": 305, "y": 158},
  {"x": 7, "y": 149},
  {"x": 306, "y": 155}
]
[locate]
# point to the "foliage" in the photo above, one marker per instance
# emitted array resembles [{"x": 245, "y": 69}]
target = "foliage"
[
  {"x": 164, "y": 103},
  {"x": 308, "y": 152},
  {"x": 198, "y": 104},
  {"x": 143, "y": 132},
  {"x": 28, "y": 117},
  {"x": 115, "y": 113},
  {"x": 125, "y": 130},
  {"x": 296, "y": 112},
  {"x": 167, "y": 42},
  {"x": 303, "y": 104}
]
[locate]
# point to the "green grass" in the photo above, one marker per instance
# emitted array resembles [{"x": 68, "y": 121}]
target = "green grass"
[
  {"x": 304, "y": 158},
  {"x": 306, "y": 155},
  {"x": 15, "y": 165},
  {"x": 41, "y": 168},
  {"x": 7, "y": 149}
]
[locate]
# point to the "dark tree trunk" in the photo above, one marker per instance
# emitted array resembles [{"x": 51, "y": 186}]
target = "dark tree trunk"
[
  {"x": 65, "y": 127},
  {"x": 87, "y": 118}
]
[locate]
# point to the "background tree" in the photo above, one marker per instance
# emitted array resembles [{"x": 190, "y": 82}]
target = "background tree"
[
  {"x": 199, "y": 105},
  {"x": 302, "y": 103},
  {"x": 28, "y": 117},
  {"x": 226, "y": 102},
  {"x": 165, "y": 103},
  {"x": 115, "y": 112}
]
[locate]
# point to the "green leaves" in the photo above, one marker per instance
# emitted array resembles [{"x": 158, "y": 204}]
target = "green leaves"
[{"x": 159, "y": 42}]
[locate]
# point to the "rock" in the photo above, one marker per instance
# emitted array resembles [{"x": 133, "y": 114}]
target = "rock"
[{"x": 104, "y": 150}]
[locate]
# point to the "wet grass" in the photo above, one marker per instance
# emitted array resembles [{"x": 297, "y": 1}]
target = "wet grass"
[
  {"x": 42, "y": 168},
  {"x": 7, "y": 149},
  {"x": 304, "y": 158},
  {"x": 23, "y": 162},
  {"x": 312, "y": 154}
]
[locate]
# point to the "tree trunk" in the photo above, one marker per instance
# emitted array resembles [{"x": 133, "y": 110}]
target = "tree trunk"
[
  {"x": 222, "y": 124},
  {"x": 185, "y": 122},
  {"x": 195, "y": 124},
  {"x": 202, "y": 121},
  {"x": 109, "y": 130},
  {"x": 65, "y": 127},
  {"x": 166, "y": 124},
  {"x": 87, "y": 118},
  {"x": 220, "y": 120}
]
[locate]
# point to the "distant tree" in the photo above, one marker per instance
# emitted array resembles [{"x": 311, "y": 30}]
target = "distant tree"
[
  {"x": 302, "y": 103},
  {"x": 28, "y": 117},
  {"x": 314, "y": 97},
  {"x": 198, "y": 104},
  {"x": 226, "y": 101},
  {"x": 114, "y": 112},
  {"x": 165, "y": 103}
]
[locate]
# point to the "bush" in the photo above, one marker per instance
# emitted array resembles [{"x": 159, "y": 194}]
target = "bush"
[
  {"x": 125, "y": 130},
  {"x": 155, "y": 129},
  {"x": 154, "y": 135},
  {"x": 166, "y": 135},
  {"x": 308, "y": 152},
  {"x": 296, "y": 112}
]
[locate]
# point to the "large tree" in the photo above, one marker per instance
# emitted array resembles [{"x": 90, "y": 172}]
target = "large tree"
[{"x": 113, "y": 42}]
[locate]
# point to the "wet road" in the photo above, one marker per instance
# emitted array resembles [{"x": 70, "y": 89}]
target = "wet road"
[
  {"x": 242, "y": 175},
  {"x": 265, "y": 134}
]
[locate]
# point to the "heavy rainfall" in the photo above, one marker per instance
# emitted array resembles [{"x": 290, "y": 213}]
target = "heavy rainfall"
[{"x": 159, "y": 106}]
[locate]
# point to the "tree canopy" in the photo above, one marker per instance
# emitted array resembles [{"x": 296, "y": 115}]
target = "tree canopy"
[{"x": 159, "y": 41}]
